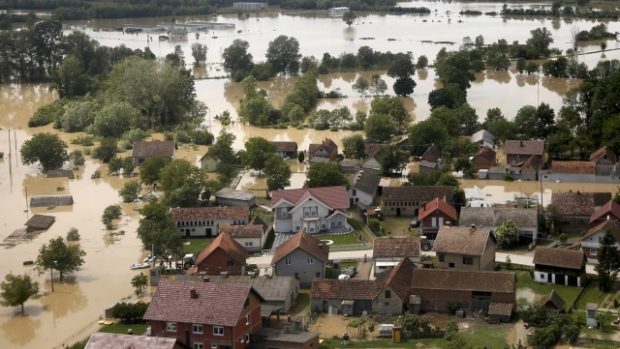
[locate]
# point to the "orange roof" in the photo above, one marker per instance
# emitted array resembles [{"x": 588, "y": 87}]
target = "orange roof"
[
  {"x": 226, "y": 243},
  {"x": 437, "y": 204},
  {"x": 610, "y": 208},
  {"x": 597, "y": 155},
  {"x": 573, "y": 167}
]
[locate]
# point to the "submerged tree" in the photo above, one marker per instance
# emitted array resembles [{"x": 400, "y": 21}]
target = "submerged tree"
[
  {"x": 348, "y": 17},
  {"x": 60, "y": 256},
  {"x": 17, "y": 289},
  {"x": 47, "y": 149}
]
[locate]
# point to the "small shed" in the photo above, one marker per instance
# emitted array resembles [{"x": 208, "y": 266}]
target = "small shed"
[
  {"x": 51, "y": 200},
  {"x": 553, "y": 301},
  {"x": 39, "y": 222},
  {"x": 500, "y": 312},
  {"x": 59, "y": 174},
  {"x": 236, "y": 198}
]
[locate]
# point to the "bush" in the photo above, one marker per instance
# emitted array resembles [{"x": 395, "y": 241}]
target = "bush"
[
  {"x": 110, "y": 213},
  {"x": 86, "y": 141},
  {"x": 129, "y": 312},
  {"x": 77, "y": 158},
  {"x": 46, "y": 114},
  {"x": 73, "y": 235},
  {"x": 106, "y": 150},
  {"x": 95, "y": 175},
  {"x": 132, "y": 136},
  {"x": 201, "y": 137},
  {"x": 182, "y": 137},
  {"x": 130, "y": 191}
]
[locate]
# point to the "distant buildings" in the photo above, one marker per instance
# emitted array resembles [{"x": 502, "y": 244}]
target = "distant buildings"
[
  {"x": 571, "y": 211},
  {"x": 408, "y": 200},
  {"x": 484, "y": 159},
  {"x": 519, "y": 151},
  {"x": 209, "y": 162},
  {"x": 337, "y": 11},
  {"x": 249, "y": 6},
  {"x": 605, "y": 218},
  {"x": 364, "y": 187},
  {"x": 483, "y": 138}
]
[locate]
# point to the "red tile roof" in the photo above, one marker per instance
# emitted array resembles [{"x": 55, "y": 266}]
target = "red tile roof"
[
  {"x": 559, "y": 257},
  {"x": 285, "y": 146},
  {"x": 578, "y": 203},
  {"x": 215, "y": 303},
  {"x": 438, "y": 204},
  {"x": 607, "y": 225},
  {"x": 399, "y": 279},
  {"x": 304, "y": 241},
  {"x": 243, "y": 231},
  {"x": 228, "y": 245},
  {"x": 463, "y": 280},
  {"x": 610, "y": 208},
  {"x": 526, "y": 147},
  {"x": 335, "y": 197},
  {"x": 204, "y": 213},
  {"x": 344, "y": 289},
  {"x": 330, "y": 147},
  {"x": 597, "y": 155},
  {"x": 573, "y": 167},
  {"x": 389, "y": 247},
  {"x": 462, "y": 240},
  {"x": 100, "y": 340}
]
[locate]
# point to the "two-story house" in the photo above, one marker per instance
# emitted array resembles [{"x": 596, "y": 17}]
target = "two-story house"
[
  {"x": 435, "y": 215},
  {"x": 519, "y": 151},
  {"x": 465, "y": 248},
  {"x": 143, "y": 150},
  {"x": 387, "y": 252},
  {"x": 526, "y": 219},
  {"x": 571, "y": 211},
  {"x": 203, "y": 315},
  {"x": 408, "y": 200},
  {"x": 302, "y": 256},
  {"x": 606, "y": 218},
  {"x": 322, "y": 152},
  {"x": 222, "y": 255},
  {"x": 310, "y": 210},
  {"x": 206, "y": 221}
]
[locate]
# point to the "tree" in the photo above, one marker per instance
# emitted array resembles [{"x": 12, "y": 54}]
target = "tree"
[
  {"x": 222, "y": 148},
  {"x": 17, "y": 289},
  {"x": 199, "y": 52},
  {"x": 237, "y": 60},
  {"x": 324, "y": 175},
  {"x": 139, "y": 282},
  {"x": 73, "y": 234},
  {"x": 354, "y": 146},
  {"x": 425, "y": 133},
  {"x": 539, "y": 41},
  {"x": 301, "y": 157},
  {"x": 106, "y": 150},
  {"x": 60, "y": 256},
  {"x": 70, "y": 79},
  {"x": 278, "y": 173},
  {"x": 110, "y": 213},
  {"x": 404, "y": 86},
  {"x": 402, "y": 68},
  {"x": 157, "y": 229},
  {"x": 506, "y": 234},
  {"x": 394, "y": 160},
  {"x": 151, "y": 168},
  {"x": 258, "y": 150},
  {"x": 114, "y": 165},
  {"x": 377, "y": 85},
  {"x": 127, "y": 166},
  {"x": 348, "y": 17},
  {"x": 283, "y": 55},
  {"x": 450, "y": 96},
  {"x": 392, "y": 107},
  {"x": 47, "y": 149},
  {"x": 379, "y": 128},
  {"x": 361, "y": 85},
  {"x": 455, "y": 68},
  {"x": 422, "y": 62},
  {"x": 130, "y": 190},
  {"x": 608, "y": 262},
  {"x": 77, "y": 157},
  {"x": 116, "y": 118}
]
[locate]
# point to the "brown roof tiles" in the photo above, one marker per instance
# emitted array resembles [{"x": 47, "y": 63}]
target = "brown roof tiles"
[
  {"x": 611, "y": 208},
  {"x": 525, "y": 147},
  {"x": 573, "y": 167},
  {"x": 559, "y": 257},
  {"x": 399, "y": 279},
  {"x": 145, "y": 149},
  {"x": 304, "y": 241},
  {"x": 225, "y": 243},
  {"x": 600, "y": 153},
  {"x": 462, "y": 240},
  {"x": 390, "y": 247},
  {"x": 288, "y": 147},
  {"x": 344, "y": 289},
  {"x": 463, "y": 280},
  {"x": 335, "y": 197},
  {"x": 438, "y": 204},
  {"x": 243, "y": 231},
  {"x": 328, "y": 145},
  {"x": 578, "y": 203},
  {"x": 417, "y": 193},
  {"x": 204, "y": 213}
]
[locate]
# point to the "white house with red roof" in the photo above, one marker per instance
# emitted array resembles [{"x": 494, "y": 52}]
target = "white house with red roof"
[{"x": 311, "y": 210}]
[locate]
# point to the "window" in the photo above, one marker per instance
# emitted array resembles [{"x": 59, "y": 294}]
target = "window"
[
  {"x": 353, "y": 192},
  {"x": 468, "y": 260},
  {"x": 218, "y": 330},
  {"x": 197, "y": 329},
  {"x": 247, "y": 320},
  {"x": 310, "y": 260},
  {"x": 287, "y": 261},
  {"x": 171, "y": 326},
  {"x": 199, "y": 346},
  {"x": 441, "y": 257},
  {"x": 213, "y": 346},
  {"x": 388, "y": 294},
  {"x": 593, "y": 251},
  {"x": 318, "y": 274},
  {"x": 451, "y": 265},
  {"x": 249, "y": 244}
]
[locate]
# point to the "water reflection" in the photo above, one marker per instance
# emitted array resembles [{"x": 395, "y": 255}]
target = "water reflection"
[
  {"x": 66, "y": 298},
  {"x": 21, "y": 329}
]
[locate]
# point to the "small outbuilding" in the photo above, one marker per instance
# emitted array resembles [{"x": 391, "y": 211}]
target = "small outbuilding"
[
  {"x": 39, "y": 222},
  {"x": 51, "y": 200},
  {"x": 500, "y": 312},
  {"x": 559, "y": 266},
  {"x": 235, "y": 198},
  {"x": 553, "y": 301}
]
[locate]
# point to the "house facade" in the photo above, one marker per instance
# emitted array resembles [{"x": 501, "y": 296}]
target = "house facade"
[
  {"x": 518, "y": 151},
  {"x": 222, "y": 256},
  {"x": 364, "y": 186},
  {"x": 206, "y": 221},
  {"x": 408, "y": 200},
  {"x": 251, "y": 236},
  {"x": 209, "y": 162},
  {"x": 559, "y": 266},
  {"x": 310, "y": 210},
  {"x": 285, "y": 150},
  {"x": 465, "y": 248},
  {"x": 589, "y": 243},
  {"x": 143, "y": 150},
  {"x": 572, "y": 210},
  {"x": 605, "y": 161},
  {"x": 303, "y": 257},
  {"x": 435, "y": 215},
  {"x": 321, "y": 152},
  {"x": 205, "y": 315},
  {"x": 388, "y": 252}
]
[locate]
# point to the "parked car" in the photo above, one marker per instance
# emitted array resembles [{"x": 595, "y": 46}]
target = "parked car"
[{"x": 414, "y": 223}]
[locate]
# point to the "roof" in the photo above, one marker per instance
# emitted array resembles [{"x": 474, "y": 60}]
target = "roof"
[
  {"x": 272, "y": 289},
  {"x": 390, "y": 247},
  {"x": 284, "y": 336},
  {"x": 219, "y": 213},
  {"x": 525, "y": 147},
  {"x": 438, "y": 204},
  {"x": 230, "y": 193},
  {"x": 417, "y": 193},
  {"x": 428, "y": 164},
  {"x": 228, "y": 245},
  {"x": 554, "y": 300},
  {"x": 462, "y": 240},
  {"x": 573, "y": 167},
  {"x": 328, "y": 145},
  {"x": 600, "y": 153},
  {"x": 372, "y": 149},
  {"x": 371, "y": 163},
  {"x": 350, "y": 165},
  {"x": 533, "y": 163},
  {"x": 209, "y": 155},
  {"x": 559, "y": 257},
  {"x": 367, "y": 181},
  {"x": 287, "y": 147},
  {"x": 500, "y": 309},
  {"x": 486, "y": 153},
  {"x": 399, "y": 279},
  {"x": 610, "y": 208},
  {"x": 463, "y": 280},
  {"x": 432, "y": 154},
  {"x": 335, "y": 197},
  {"x": 483, "y": 135},
  {"x": 100, "y": 340},
  {"x": 495, "y": 216},
  {"x": 51, "y": 200},
  {"x": 243, "y": 231},
  {"x": 40, "y": 222},
  {"x": 578, "y": 203},
  {"x": 145, "y": 149},
  {"x": 304, "y": 241},
  {"x": 607, "y": 225},
  {"x": 214, "y": 304},
  {"x": 352, "y": 289}
]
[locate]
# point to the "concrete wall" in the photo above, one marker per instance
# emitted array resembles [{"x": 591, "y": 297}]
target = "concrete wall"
[
  {"x": 457, "y": 260},
  {"x": 388, "y": 306},
  {"x": 300, "y": 268},
  {"x": 361, "y": 196}
]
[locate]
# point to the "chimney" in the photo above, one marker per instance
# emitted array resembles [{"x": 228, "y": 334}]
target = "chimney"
[
  {"x": 193, "y": 294},
  {"x": 205, "y": 279}
]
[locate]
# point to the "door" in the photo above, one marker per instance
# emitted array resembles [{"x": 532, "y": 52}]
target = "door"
[
  {"x": 208, "y": 230},
  {"x": 398, "y": 211},
  {"x": 187, "y": 233},
  {"x": 434, "y": 222}
]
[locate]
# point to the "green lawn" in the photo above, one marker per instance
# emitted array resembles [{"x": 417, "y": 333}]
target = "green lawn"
[
  {"x": 524, "y": 281},
  {"x": 302, "y": 303},
  {"x": 340, "y": 239},
  {"x": 348, "y": 263},
  {"x": 591, "y": 295},
  {"x": 381, "y": 343},
  {"x": 485, "y": 335},
  {"x": 121, "y": 328},
  {"x": 195, "y": 245},
  {"x": 398, "y": 226}
]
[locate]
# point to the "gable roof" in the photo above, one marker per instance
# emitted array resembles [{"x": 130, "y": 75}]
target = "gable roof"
[
  {"x": 495, "y": 216},
  {"x": 209, "y": 155},
  {"x": 228, "y": 245},
  {"x": 100, "y": 340},
  {"x": 463, "y": 280},
  {"x": 578, "y": 203},
  {"x": 573, "y": 167},
  {"x": 486, "y": 153},
  {"x": 371, "y": 163},
  {"x": 462, "y": 240},
  {"x": 559, "y": 257},
  {"x": 483, "y": 135},
  {"x": 612, "y": 225},
  {"x": 219, "y": 213},
  {"x": 438, "y": 204},
  {"x": 532, "y": 164},
  {"x": 304, "y": 241},
  {"x": 417, "y": 193},
  {"x": 367, "y": 181},
  {"x": 432, "y": 153},
  {"x": 553, "y": 300},
  {"x": 372, "y": 149},
  {"x": 215, "y": 304},
  {"x": 392, "y": 246},
  {"x": 243, "y": 231},
  {"x": 399, "y": 279},
  {"x": 330, "y": 147},
  {"x": 601, "y": 152},
  {"x": 525, "y": 147},
  {"x": 145, "y": 149},
  {"x": 335, "y": 197},
  {"x": 500, "y": 309},
  {"x": 283, "y": 146},
  {"x": 610, "y": 208},
  {"x": 352, "y": 289}
]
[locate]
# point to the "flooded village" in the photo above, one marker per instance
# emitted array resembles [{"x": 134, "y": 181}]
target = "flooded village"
[{"x": 367, "y": 262}]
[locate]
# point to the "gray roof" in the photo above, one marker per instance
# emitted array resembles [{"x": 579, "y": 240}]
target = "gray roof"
[
  {"x": 372, "y": 163},
  {"x": 418, "y": 193},
  {"x": 229, "y": 193},
  {"x": 429, "y": 164},
  {"x": 367, "y": 181},
  {"x": 273, "y": 289},
  {"x": 495, "y": 216},
  {"x": 145, "y": 149},
  {"x": 51, "y": 200},
  {"x": 483, "y": 135},
  {"x": 40, "y": 222}
]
